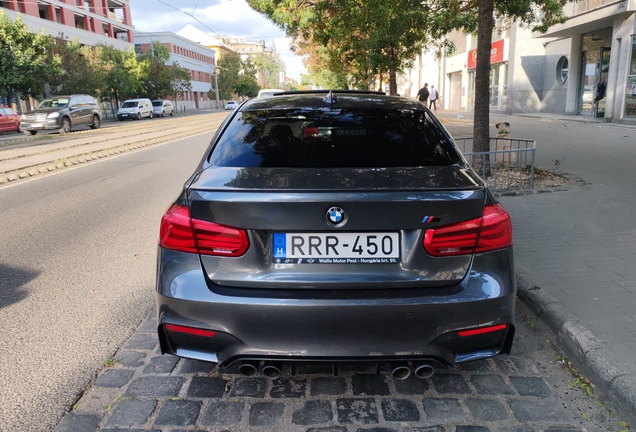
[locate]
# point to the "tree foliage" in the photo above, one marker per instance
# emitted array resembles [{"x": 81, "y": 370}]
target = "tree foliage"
[
  {"x": 361, "y": 38},
  {"x": 26, "y": 61},
  {"x": 181, "y": 83},
  {"x": 81, "y": 69},
  {"x": 237, "y": 77}
]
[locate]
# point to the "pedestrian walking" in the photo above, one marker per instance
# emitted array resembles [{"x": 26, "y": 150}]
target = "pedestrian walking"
[
  {"x": 422, "y": 95},
  {"x": 433, "y": 98}
]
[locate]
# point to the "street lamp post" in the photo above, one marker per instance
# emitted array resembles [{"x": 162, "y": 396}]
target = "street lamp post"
[{"x": 216, "y": 86}]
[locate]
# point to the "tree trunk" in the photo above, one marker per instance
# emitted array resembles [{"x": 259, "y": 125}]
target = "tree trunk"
[
  {"x": 481, "y": 130},
  {"x": 380, "y": 86},
  {"x": 392, "y": 83}
]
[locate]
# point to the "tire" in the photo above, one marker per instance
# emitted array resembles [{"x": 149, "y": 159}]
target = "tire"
[
  {"x": 163, "y": 113},
  {"x": 66, "y": 126},
  {"x": 138, "y": 117},
  {"x": 96, "y": 123},
  {"x": 19, "y": 128},
  {"x": 30, "y": 133},
  {"x": 151, "y": 114},
  {"x": 121, "y": 119},
  {"x": 172, "y": 113}
]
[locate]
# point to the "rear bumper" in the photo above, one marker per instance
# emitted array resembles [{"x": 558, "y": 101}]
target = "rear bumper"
[{"x": 378, "y": 324}]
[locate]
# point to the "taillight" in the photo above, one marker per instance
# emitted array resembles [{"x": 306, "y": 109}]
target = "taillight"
[
  {"x": 189, "y": 330},
  {"x": 490, "y": 232},
  {"x": 182, "y": 233},
  {"x": 482, "y": 330}
]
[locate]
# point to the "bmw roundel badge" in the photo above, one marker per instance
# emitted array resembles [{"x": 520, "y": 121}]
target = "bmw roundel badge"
[{"x": 335, "y": 215}]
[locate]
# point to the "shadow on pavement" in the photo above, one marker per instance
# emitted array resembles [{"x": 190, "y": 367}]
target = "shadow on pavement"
[{"x": 11, "y": 281}]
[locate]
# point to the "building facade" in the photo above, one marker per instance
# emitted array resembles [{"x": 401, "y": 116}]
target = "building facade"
[
  {"x": 89, "y": 22},
  {"x": 199, "y": 60}
]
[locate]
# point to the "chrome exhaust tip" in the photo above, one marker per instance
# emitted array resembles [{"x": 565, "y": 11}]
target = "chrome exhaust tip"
[
  {"x": 400, "y": 370},
  {"x": 423, "y": 370},
  {"x": 248, "y": 368},
  {"x": 272, "y": 370}
]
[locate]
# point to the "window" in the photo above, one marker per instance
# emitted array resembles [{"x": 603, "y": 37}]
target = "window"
[
  {"x": 356, "y": 138},
  {"x": 630, "y": 92},
  {"x": 562, "y": 70}
]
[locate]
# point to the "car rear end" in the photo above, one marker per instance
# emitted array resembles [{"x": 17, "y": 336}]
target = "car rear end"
[{"x": 335, "y": 229}]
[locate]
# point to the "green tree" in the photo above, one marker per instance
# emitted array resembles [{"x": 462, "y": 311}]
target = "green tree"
[
  {"x": 26, "y": 61},
  {"x": 81, "y": 69},
  {"x": 181, "y": 82},
  {"x": 122, "y": 73},
  {"x": 229, "y": 68},
  {"x": 267, "y": 70},
  {"x": 156, "y": 77},
  {"x": 246, "y": 86}
]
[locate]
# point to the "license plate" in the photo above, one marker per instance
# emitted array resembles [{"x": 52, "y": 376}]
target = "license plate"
[
  {"x": 337, "y": 248},
  {"x": 36, "y": 125}
]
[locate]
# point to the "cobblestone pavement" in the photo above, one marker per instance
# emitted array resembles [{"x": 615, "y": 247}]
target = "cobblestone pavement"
[{"x": 529, "y": 391}]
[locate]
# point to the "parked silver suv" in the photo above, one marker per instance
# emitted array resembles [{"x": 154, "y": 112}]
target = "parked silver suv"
[{"x": 63, "y": 114}]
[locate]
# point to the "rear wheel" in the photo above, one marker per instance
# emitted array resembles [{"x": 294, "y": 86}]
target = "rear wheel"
[
  {"x": 96, "y": 123},
  {"x": 151, "y": 114},
  {"x": 30, "y": 133},
  {"x": 66, "y": 126}
]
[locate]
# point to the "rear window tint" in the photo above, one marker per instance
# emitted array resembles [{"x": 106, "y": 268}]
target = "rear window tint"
[{"x": 333, "y": 138}]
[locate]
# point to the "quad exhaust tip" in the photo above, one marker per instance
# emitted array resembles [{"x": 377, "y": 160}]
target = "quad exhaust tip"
[
  {"x": 248, "y": 368},
  {"x": 400, "y": 370},
  {"x": 272, "y": 370},
  {"x": 423, "y": 370}
]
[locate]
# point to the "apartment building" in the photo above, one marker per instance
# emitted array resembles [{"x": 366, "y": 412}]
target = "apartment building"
[
  {"x": 88, "y": 21},
  {"x": 196, "y": 58}
]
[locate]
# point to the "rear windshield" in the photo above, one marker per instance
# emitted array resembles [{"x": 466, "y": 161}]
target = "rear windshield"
[{"x": 333, "y": 138}]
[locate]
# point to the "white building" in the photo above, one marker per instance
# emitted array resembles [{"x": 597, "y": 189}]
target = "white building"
[{"x": 196, "y": 58}]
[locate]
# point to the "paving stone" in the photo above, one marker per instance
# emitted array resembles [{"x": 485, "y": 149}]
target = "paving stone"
[
  {"x": 266, "y": 413},
  {"x": 155, "y": 386},
  {"x": 129, "y": 430},
  {"x": 516, "y": 429},
  {"x": 476, "y": 366},
  {"x": 178, "y": 413},
  {"x": 563, "y": 429},
  {"x": 96, "y": 399},
  {"x": 207, "y": 387},
  {"x": 222, "y": 414},
  {"x": 149, "y": 325},
  {"x": 328, "y": 429},
  {"x": 400, "y": 410},
  {"x": 196, "y": 366},
  {"x": 369, "y": 385},
  {"x": 542, "y": 410},
  {"x": 161, "y": 365},
  {"x": 130, "y": 358},
  {"x": 78, "y": 423},
  {"x": 531, "y": 386},
  {"x": 131, "y": 412},
  {"x": 425, "y": 429},
  {"x": 490, "y": 384},
  {"x": 377, "y": 429},
  {"x": 443, "y": 410},
  {"x": 514, "y": 365},
  {"x": 450, "y": 384},
  {"x": 357, "y": 411},
  {"x": 330, "y": 386},
  {"x": 411, "y": 386},
  {"x": 288, "y": 388},
  {"x": 114, "y": 378},
  {"x": 249, "y": 387},
  {"x": 471, "y": 429},
  {"x": 313, "y": 412},
  {"x": 142, "y": 341},
  {"x": 486, "y": 409}
]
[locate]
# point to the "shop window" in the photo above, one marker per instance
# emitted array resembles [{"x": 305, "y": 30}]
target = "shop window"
[
  {"x": 630, "y": 93},
  {"x": 562, "y": 70}
]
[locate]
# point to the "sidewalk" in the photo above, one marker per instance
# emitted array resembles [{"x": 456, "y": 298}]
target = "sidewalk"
[{"x": 575, "y": 250}]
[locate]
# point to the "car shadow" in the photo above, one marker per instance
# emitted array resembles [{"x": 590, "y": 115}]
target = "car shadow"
[{"x": 12, "y": 279}]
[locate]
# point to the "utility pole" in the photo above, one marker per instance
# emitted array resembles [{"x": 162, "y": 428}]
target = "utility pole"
[{"x": 216, "y": 86}]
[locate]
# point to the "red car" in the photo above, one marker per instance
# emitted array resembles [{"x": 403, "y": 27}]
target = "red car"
[{"x": 9, "y": 120}]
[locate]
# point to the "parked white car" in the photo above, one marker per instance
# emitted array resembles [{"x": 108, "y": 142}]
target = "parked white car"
[
  {"x": 230, "y": 105},
  {"x": 265, "y": 93},
  {"x": 135, "y": 109},
  {"x": 162, "y": 107}
]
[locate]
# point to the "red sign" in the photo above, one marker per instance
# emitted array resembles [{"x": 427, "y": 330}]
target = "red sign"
[{"x": 496, "y": 54}]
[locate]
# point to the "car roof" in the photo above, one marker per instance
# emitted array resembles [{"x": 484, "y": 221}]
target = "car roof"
[{"x": 342, "y": 99}]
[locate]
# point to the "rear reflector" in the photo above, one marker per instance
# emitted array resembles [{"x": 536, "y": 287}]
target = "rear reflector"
[
  {"x": 482, "y": 330},
  {"x": 181, "y": 233},
  {"x": 490, "y": 232},
  {"x": 189, "y": 330}
]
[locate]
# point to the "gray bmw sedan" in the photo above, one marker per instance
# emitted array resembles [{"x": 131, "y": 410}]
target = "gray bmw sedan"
[{"x": 335, "y": 226}]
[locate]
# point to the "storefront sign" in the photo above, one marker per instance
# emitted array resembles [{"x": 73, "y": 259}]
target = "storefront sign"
[{"x": 496, "y": 54}]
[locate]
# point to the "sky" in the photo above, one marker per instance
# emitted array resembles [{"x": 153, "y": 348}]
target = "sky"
[{"x": 233, "y": 18}]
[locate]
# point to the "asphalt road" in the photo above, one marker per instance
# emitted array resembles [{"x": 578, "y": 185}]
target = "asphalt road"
[{"x": 77, "y": 268}]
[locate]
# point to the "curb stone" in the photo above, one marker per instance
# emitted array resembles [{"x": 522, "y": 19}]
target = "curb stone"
[{"x": 587, "y": 352}]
